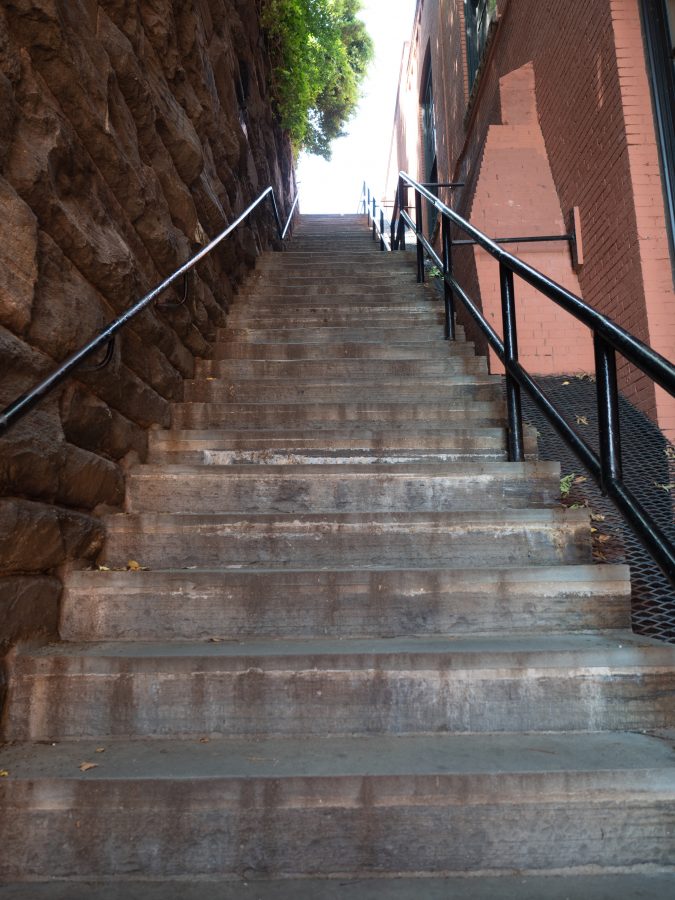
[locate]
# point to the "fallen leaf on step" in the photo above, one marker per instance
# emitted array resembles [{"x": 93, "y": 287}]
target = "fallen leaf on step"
[
  {"x": 4, "y": 773},
  {"x": 104, "y": 568},
  {"x": 133, "y": 566},
  {"x": 597, "y": 517},
  {"x": 603, "y": 538},
  {"x": 581, "y": 420},
  {"x": 665, "y": 487},
  {"x": 85, "y": 766},
  {"x": 215, "y": 640},
  {"x": 204, "y": 740},
  {"x": 565, "y": 382},
  {"x": 100, "y": 750},
  {"x": 580, "y": 478}
]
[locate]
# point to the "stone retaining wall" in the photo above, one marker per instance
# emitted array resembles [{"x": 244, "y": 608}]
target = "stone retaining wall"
[{"x": 130, "y": 133}]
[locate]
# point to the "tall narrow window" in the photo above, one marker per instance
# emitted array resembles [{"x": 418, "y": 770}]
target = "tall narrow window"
[
  {"x": 477, "y": 15},
  {"x": 429, "y": 138}
]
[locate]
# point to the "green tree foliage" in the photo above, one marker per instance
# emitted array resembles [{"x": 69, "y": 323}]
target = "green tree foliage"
[{"x": 320, "y": 53}]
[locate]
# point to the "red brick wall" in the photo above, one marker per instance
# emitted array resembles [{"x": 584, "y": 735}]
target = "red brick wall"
[{"x": 594, "y": 109}]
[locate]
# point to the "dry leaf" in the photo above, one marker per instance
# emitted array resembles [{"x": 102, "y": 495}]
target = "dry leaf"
[
  {"x": 204, "y": 740},
  {"x": 85, "y": 766},
  {"x": 133, "y": 566},
  {"x": 104, "y": 568},
  {"x": 580, "y": 478},
  {"x": 100, "y": 750},
  {"x": 593, "y": 530},
  {"x": 565, "y": 382},
  {"x": 665, "y": 487},
  {"x": 4, "y": 773},
  {"x": 597, "y": 517},
  {"x": 581, "y": 420},
  {"x": 670, "y": 452},
  {"x": 215, "y": 640},
  {"x": 603, "y": 538}
]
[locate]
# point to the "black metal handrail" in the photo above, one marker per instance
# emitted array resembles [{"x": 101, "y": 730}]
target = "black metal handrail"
[
  {"x": 376, "y": 218},
  {"x": 608, "y": 339},
  {"x": 23, "y": 404}
]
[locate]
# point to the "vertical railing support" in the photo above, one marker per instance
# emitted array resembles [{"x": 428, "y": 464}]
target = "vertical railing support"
[
  {"x": 367, "y": 210},
  {"x": 373, "y": 214},
  {"x": 383, "y": 246},
  {"x": 402, "y": 204},
  {"x": 448, "y": 294},
  {"x": 418, "y": 227},
  {"x": 609, "y": 428},
  {"x": 513, "y": 404}
]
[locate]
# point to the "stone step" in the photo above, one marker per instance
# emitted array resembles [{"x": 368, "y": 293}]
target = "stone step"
[
  {"x": 347, "y": 807},
  {"x": 283, "y": 318},
  {"x": 517, "y": 537},
  {"x": 374, "y": 369},
  {"x": 293, "y": 415},
  {"x": 358, "y": 303},
  {"x": 402, "y": 350},
  {"x": 422, "y": 685},
  {"x": 422, "y": 389},
  {"x": 332, "y": 447},
  {"x": 335, "y": 334},
  {"x": 384, "y": 286},
  {"x": 352, "y": 487},
  {"x": 333, "y": 267},
  {"x": 198, "y": 605},
  {"x": 655, "y": 884}
]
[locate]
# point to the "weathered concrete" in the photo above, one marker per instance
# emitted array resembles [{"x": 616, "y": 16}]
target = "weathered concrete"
[
  {"x": 351, "y": 488},
  {"x": 217, "y": 603},
  {"x": 364, "y": 540}
]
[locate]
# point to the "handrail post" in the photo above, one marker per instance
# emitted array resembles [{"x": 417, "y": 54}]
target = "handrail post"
[
  {"x": 513, "y": 404},
  {"x": 374, "y": 211},
  {"x": 382, "y": 244},
  {"x": 418, "y": 229},
  {"x": 609, "y": 429},
  {"x": 448, "y": 293},
  {"x": 402, "y": 203},
  {"x": 367, "y": 210},
  {"x": 362, "y": 202}
]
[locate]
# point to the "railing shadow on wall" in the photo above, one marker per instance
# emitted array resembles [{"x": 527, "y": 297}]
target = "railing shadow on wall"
[
  {"x": 608, "y": 340},
  {"x": 106, "y": 337}
]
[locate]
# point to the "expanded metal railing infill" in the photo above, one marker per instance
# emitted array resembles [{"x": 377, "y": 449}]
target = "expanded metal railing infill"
[
  {"x": 106, "y": 337},
  {"x": 605, "y": 464}
]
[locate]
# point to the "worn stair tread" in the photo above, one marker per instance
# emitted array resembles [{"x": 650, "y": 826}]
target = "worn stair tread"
[
  {"x": 620, "y": 649},
  {"x": 345, "y": 757},
  {"x": 393, "y": 470},
  {"x": 200, "y": 604},
  {"x": 373, "y": 349},
  {"x": 374, "y": 487},
  {"x": 349, "y": 435},
  {"x": 366, "y": 540},
  {"x": 627, "y": 885},
  {"x": 396, "y": 521},
  {"x": 341, "y": 368}
]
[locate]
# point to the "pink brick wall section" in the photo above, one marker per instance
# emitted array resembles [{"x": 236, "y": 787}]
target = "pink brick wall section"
[
  {"x": 515, "y": 194},
  {"x": 594, "y": 109}
]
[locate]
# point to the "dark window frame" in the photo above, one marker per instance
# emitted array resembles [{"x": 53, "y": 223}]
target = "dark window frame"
[
  {"x": 477, "y": 17},
  {"x": 661, "y": 71}
]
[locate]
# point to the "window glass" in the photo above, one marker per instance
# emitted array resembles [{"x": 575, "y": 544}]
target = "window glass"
[{"x": 478, "y": 14}]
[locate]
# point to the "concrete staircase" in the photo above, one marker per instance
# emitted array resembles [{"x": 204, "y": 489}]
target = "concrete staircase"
[{"x": 368, "y": 657}]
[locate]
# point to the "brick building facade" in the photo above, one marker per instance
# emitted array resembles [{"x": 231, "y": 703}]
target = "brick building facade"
[{"x": 540, "y": 106}]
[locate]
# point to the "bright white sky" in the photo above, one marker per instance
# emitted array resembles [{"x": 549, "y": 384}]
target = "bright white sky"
[{"x": 335, "y": 186}]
